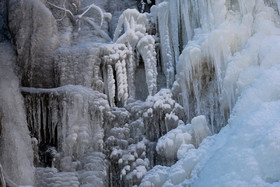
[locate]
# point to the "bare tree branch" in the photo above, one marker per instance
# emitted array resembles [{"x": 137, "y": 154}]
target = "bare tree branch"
[
  {"x": 96, "y": 8},
  {"x": 98, "y": 29},
  {"x": 61, "y": 8}
]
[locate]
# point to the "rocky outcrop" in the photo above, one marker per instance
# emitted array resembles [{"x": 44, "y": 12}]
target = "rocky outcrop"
[{"x": 34, "y": 32}]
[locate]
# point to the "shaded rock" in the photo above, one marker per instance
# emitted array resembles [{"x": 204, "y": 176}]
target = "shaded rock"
[{"x": 34, "y": 33}]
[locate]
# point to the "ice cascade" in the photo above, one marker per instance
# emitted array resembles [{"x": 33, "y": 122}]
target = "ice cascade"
[{"x": 228, "y": 71}]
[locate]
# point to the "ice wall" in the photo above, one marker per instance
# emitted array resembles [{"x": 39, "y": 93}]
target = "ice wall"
[
  {"x": 16, "y": 154},
  {"x": 229, "y": 69}
]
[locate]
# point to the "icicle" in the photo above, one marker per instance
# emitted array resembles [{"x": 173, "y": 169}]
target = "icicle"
[
  {"x": 146, "y": 47},
  {"x": 121, "y": 81},
  {"x": 166, "y": 53},
  {"x": 174, "y": 16},
  {"x": 130, "y": 63},
  {"x": 124, "y": 82},
  {"x": 111, "y": 85}
]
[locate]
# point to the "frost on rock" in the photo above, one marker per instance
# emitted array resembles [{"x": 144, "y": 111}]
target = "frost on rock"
[
  {"x": 79, "y": 65},
  {"x": 102, "y": 67}
]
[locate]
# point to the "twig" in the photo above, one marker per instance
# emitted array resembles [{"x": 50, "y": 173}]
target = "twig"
[{"x": 98, "y": 28}]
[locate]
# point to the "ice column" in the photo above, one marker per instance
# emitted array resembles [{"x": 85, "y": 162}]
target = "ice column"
[{"x": 146, "y": 47}]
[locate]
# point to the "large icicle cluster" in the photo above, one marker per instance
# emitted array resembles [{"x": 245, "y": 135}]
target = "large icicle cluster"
[
  {"x": 66, "y": 121},
  {"x": 69, "y": 118},
  {"x": 134, "y": 26},
  {"x": 161, "y": 14},
  {"x": 118, "y": 73},
  {"x": 203, "y": 63}
]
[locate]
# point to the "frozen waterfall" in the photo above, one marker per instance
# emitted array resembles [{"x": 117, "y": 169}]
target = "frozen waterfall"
[{"x": 144, "y": 93}]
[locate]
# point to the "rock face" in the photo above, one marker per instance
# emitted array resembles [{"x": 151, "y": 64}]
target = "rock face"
[
  {"x": 16, "y": 155},
  {"x": 4, "y": 33},
  {"x": 34, "y": 32}
]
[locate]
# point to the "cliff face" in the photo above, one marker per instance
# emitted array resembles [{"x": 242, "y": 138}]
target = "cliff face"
[
  {"x": 59, "y": 44},
  {"x": 34, "y": 32}
]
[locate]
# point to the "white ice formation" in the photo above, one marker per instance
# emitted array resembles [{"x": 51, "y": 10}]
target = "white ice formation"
[
  {"x": 176, "y": 142},
  {"x": 134, "y": 24}
]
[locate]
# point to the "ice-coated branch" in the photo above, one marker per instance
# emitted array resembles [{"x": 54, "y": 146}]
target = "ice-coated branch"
[
  {"x": 96, "y": 8},
  {"x": 61, "y": 8},
  {"x": 97, "y": 28},
  {"x": 86, "y": 9}
]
